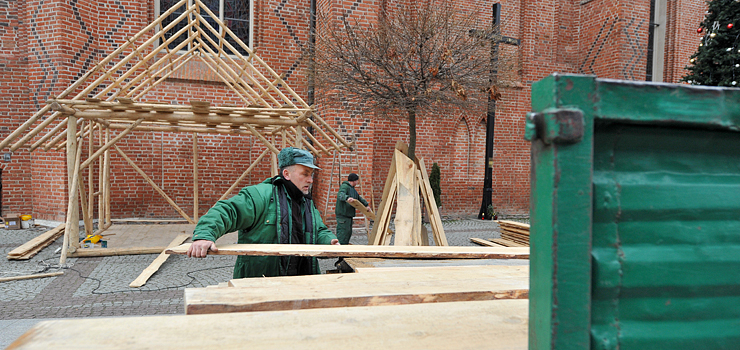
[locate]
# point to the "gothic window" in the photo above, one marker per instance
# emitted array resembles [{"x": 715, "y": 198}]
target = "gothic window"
[{"x": 235, "y": 14}]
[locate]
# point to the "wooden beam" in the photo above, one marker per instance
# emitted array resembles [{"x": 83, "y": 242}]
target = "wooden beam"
[
  {"x": 364, "y": 251},
  {"x": 154, "y": 266},
  {"x": 493, "y": 324},
  {"x": 388, "y": 287}
]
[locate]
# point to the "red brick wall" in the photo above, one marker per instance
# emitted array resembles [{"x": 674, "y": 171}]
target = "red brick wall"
[{"x": 47, "y": 46}]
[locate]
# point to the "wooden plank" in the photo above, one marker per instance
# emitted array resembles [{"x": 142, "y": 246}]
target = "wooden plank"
[
  {"x": 507, "y": 243},
  {"x": 364, "y": 264},
  {"x": 377, "y": 231},
  {"x": 25, "y": 277},
  {"x": 41, "y": 240},
  {"x": 435, "y": 219},
  {"x": 443, "y": 326},
  {"x": 387, "y": 287},
  {"x": 406, "y": 187},
  {"x": 364, "y": 251},
  {"x": 483, "y": 242},
  {"x": 154, "y": 266},
  {"x": 357, "y": 205}
]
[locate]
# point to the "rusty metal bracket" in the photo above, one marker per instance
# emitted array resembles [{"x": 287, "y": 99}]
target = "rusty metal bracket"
[{"x": 555, "y": 125}]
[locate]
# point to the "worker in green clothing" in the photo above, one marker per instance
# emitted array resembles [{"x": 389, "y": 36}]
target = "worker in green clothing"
[
  {"x": 278, "y": 210},
  {"x": 344, "y": 211}
]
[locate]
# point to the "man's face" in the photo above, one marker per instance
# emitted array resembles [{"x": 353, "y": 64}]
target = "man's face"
[
  {"x": 354, "y": 183},
  {"x": 300, "y": 175}
]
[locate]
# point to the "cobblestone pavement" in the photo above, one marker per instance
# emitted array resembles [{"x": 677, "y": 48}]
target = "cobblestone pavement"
[{"x": 95, "y": 287}]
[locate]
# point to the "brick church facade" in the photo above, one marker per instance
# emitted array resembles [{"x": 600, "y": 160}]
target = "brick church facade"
[{"x": 48, "y": 44}]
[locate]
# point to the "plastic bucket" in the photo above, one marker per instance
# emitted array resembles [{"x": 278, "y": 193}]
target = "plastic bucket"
[{"x": 26, "y": 221}]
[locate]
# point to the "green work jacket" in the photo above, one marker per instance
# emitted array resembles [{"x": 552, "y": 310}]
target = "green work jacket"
[
  {"x": 343, "y": 208},
  {"x": 255, "y": 213}
]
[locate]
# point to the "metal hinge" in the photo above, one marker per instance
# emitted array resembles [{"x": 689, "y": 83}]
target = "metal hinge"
[{"x": 555, "y": 125}]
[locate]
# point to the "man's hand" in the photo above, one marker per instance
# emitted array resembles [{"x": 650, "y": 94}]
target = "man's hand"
[
  {"x": 350, "y": 200},
  {"x": 200, "y": 248},
  {"x": 335, "y": 242}
]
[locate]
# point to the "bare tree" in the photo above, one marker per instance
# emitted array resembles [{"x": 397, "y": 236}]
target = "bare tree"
[{"x": 413, "y": 58}]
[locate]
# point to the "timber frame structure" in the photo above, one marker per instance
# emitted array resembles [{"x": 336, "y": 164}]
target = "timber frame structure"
[{"x": 107, "y": 102}]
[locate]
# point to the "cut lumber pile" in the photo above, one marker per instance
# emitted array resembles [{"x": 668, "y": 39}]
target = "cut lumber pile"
[
  {"x": 364, "y": 251},
  {"x": 491, "y": 324},
  {"x": 32, "y": 247},
  {"x": 516, "y": 232},
  {"x": 372, "y": 287}
]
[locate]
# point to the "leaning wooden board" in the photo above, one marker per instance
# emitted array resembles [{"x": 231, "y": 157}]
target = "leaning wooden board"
[
  {"x": 494, "y": 324},
  {"x": 365, "y": 251},
  {"x": 391, "y": 287}
]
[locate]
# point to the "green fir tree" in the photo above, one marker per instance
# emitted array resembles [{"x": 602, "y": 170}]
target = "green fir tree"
[{"x": 717, "y": 61}]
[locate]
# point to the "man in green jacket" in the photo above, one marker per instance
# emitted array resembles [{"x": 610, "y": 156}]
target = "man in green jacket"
[
  {"x": 345, "y": 211},
  {"x": 278, "y": 210}
]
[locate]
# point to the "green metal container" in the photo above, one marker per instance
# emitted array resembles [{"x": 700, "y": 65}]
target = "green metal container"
[{"x": 635, "y": 215}]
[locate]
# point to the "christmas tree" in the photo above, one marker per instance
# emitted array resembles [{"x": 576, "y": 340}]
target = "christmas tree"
[{"x": 717, "y": 61}]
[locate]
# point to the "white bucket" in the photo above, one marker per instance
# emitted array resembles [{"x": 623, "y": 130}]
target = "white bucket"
[{"x": 26, "y": 223}]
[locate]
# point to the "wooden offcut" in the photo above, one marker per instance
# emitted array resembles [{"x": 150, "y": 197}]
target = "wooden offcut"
[
  {"x": 372, "y": 288},
  {"x": 483, "y": 242},
  {"x": 362, "y": 209},
  {"x": 491, "y": 324},
  {"x": 364, "y": 251}
]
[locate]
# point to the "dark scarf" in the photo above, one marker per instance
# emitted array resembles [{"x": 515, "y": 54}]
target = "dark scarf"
[{"x": 292, "y": 225}]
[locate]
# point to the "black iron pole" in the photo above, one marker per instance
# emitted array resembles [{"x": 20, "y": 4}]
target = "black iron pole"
[{"x": 484, "y": 214}]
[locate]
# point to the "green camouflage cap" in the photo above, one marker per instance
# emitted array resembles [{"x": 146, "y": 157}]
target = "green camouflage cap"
[{"x": 291, "y": 155}]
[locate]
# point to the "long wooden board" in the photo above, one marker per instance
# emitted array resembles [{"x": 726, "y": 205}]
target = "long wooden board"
[
  {"x": 389, "y": 287},
  {"x": 493, "y": 325},
  {"x": 154, "y": 266},
  {"x": 483, "y": 242},
  {"x": 364, "y": 264},
  {"x": 365, "y": 251}
]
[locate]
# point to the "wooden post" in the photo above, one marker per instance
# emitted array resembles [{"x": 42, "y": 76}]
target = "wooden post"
[
  {"x": 72, "y": 228},
  {"x": 106, "y": 171},
  {"x": 101, "y": 182},
  {"x": 195, "y": 176},
  {"x": 299, "y": 136},
  {"x": 90, "y": 186}
]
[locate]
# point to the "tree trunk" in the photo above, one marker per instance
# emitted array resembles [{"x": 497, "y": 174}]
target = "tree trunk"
[{"x": 411, "y": 109}]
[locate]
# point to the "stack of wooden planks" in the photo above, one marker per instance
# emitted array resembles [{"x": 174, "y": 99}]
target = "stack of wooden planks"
[
  {"x": 513, "y": 234},
  {"x": 513, "y": 231},
  {"x": 32, "y": 247}
]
